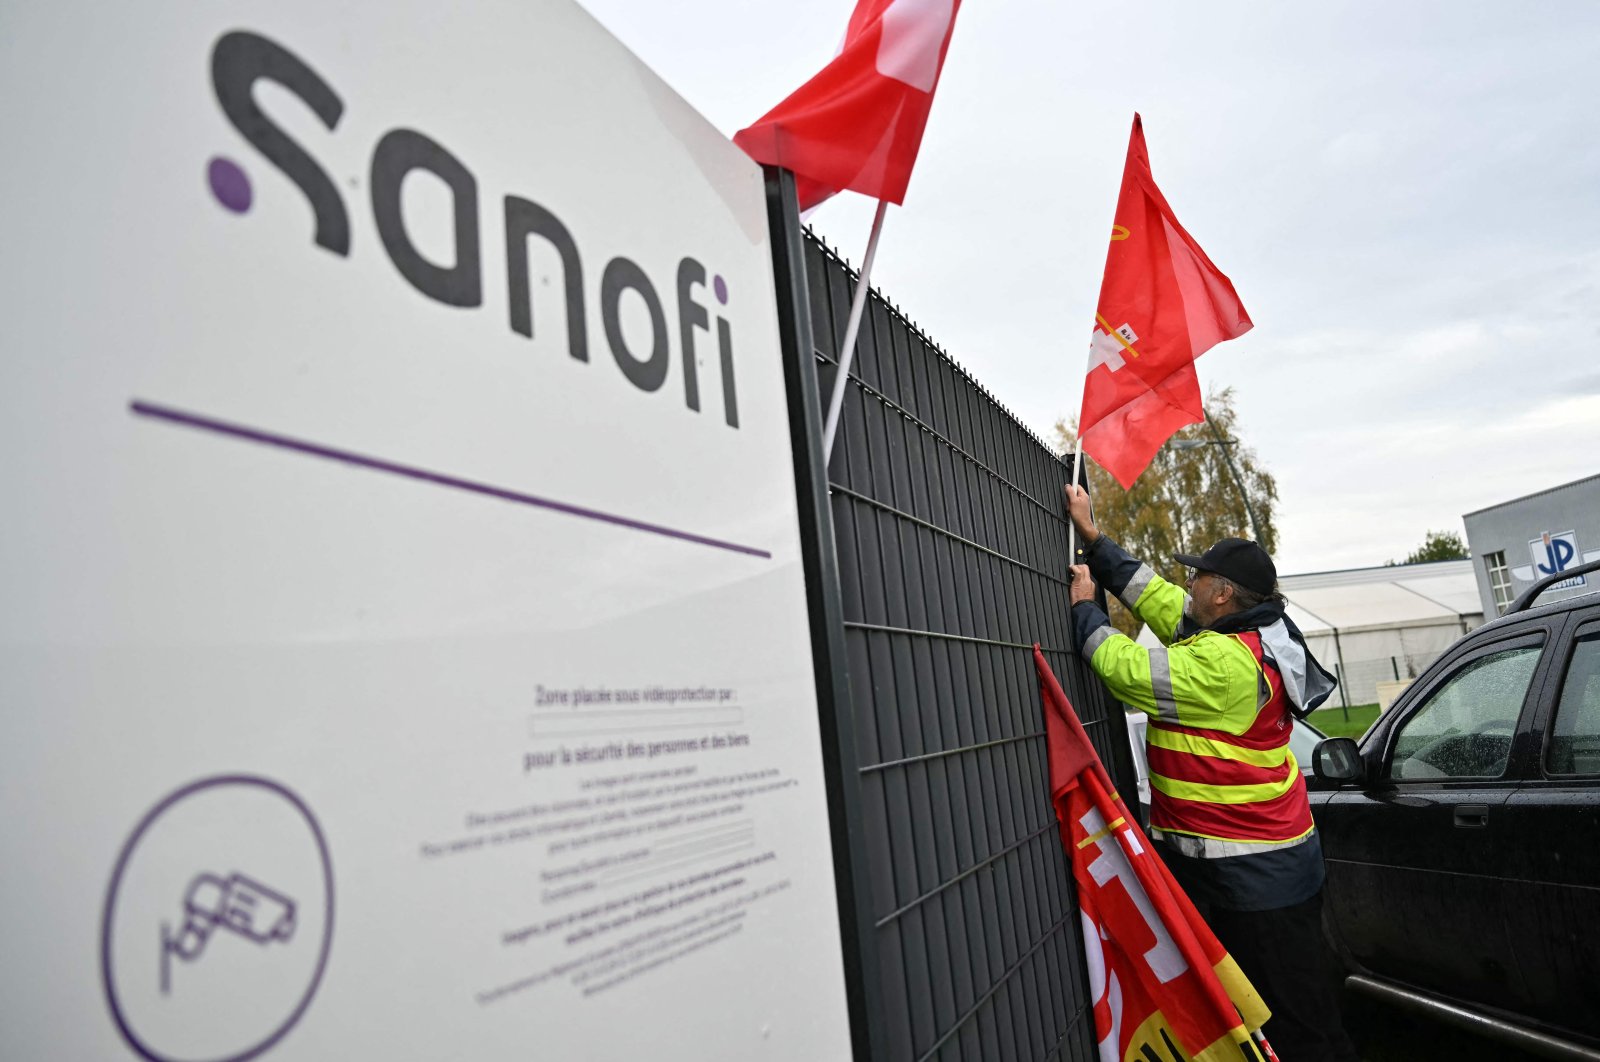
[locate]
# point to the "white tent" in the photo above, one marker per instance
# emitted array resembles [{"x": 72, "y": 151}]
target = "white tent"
[
  {"x": 1371, "y": 625},
  {"x": 1381, "y": 624}
]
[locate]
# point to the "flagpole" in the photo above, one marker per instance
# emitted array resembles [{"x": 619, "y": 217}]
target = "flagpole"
[
  {"x": 1072, "y": 527},
  {"x": 848, "y": 350}
]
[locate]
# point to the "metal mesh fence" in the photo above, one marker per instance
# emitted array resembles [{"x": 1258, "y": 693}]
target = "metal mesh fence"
[
  {"x": 952, "y": 550},
  {"x": 1377, "y": 680}
]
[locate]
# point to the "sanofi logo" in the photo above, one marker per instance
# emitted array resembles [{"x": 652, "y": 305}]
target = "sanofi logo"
[{"x": 240, "y": 59}]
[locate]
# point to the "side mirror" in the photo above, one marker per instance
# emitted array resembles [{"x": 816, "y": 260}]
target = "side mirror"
[{"x": 1339, "y": 760}]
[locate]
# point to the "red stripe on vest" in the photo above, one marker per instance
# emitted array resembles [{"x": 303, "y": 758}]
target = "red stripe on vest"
[
  {"x": 1280, "y": 818},
  {"x": 1189, "y": 767}
]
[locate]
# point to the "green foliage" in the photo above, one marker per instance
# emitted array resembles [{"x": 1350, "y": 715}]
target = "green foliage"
[
  {"x": 1438, "y": 546},
  {"x": 1332, "y": 721},
  {"x": 1188, "y": 497}
]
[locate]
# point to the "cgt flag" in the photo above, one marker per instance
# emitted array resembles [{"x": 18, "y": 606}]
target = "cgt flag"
[
  {"x": 1162, "y": 305},
  {"x": 1163, "y": 987},
  {"x": 858, "y": 124}
]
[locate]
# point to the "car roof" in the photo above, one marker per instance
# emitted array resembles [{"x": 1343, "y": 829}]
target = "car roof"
[
  {"x": 1550, "y": 582},
  {"x": 1553, "y": 608}
]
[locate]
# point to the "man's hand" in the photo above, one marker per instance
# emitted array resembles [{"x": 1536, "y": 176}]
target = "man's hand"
[
  {"x": 1082, "y": 587},
  {"x": 1078, "y": 509}
]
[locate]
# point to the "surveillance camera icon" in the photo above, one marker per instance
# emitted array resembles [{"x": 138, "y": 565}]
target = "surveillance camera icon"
[{"x": 236, "y": 903}]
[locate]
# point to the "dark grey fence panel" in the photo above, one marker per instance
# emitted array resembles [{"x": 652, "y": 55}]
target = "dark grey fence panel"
[{"x": 952, "y": 552}]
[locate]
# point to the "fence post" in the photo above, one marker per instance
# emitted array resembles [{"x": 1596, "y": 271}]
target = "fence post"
[
  {"x": 1395, "y": 664},
  {"x": 863, "y": 990},
  {"x": 1344, "y": 702}
]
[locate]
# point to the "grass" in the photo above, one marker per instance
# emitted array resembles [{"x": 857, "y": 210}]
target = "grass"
[{"x": 1333, "y": 721}]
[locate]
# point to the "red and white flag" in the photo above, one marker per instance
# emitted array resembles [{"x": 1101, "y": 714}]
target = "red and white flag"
[
  {"x": 1161, "y": 984},
  {"x": 1162, "y": 304},
  {"x": 858, "y": 124}
]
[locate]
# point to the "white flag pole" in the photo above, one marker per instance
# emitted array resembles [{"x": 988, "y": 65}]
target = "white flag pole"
[
  {"x": 848, "y": 350},
  {"x": 1072, "y": 528}
]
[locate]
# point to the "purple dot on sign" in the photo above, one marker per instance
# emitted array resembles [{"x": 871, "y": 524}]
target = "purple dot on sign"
[
  {"x": 229, "y": 184},
  {"x": 720, "y": 286}
]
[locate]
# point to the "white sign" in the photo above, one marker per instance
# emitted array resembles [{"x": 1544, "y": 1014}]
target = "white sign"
[
  {"x": 1556, "y": 552},
  {"x": 405, "y": 643}
]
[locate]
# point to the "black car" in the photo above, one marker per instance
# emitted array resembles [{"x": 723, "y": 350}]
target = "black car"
[{"x": 1462, "y": 835}]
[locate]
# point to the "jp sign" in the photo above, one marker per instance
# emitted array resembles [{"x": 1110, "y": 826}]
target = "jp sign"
[{"x": 1555, "y": 552}]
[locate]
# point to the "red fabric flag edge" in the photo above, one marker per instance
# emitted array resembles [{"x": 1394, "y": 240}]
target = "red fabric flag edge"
[
  {"x": 801, "y": 132},
  {"x": 1125, "y": 440},
  {"x": 1075, "y": 765}
]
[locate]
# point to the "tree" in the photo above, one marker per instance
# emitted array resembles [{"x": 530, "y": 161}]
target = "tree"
[
  {"x": 1188, "y": 497},
  {"x": 1437, "y": 546}
]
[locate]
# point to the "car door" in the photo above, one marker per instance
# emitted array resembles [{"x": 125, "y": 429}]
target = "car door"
[
  {"x": 1414, "y": 857},
  {"x": 1552, "y": 841}
]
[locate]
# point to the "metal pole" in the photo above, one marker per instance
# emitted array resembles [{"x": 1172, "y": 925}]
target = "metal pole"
[
  {"x": 1072, "y": 528},
  {"x": 1343, "y": 673},
  {"x": 848, "y": 350},
  {"x": 820, "y": 562},
  {"x": 1223, "y": 444}
]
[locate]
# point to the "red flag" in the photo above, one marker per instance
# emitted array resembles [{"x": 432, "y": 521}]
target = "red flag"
[
  {"x": 1162, "y": 305},
  {"x": 1161, "y": 983},
  {"x": 858, "y": 123}
]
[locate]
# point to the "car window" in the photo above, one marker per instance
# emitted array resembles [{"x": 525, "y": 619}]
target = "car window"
[
  {"x": 1303, "y": 742},
  {"x": 1575, "y": 738},
  {"x": 1464, "y": 729}
]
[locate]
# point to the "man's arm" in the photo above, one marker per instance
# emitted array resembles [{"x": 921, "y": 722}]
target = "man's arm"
[
  {"x": 1205, "y": 683},
  {"x": 1150, "y": 597}
]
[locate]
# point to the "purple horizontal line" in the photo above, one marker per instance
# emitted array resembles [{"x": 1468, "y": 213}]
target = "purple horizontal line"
[{"x": 284, "y": 442}]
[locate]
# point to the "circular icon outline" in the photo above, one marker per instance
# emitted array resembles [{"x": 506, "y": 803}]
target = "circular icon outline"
[{"x": 108, "y": 982}]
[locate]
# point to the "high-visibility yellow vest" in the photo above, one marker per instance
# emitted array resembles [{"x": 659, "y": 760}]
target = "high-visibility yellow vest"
[
  {"x": 1240, "y": 787},
  {"x": 1218, "y": 738}
]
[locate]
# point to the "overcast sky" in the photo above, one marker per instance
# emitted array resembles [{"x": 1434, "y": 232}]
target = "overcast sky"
[{"x": 1406, "y": 196}]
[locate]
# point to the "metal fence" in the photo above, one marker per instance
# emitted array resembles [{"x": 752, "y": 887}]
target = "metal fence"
[
  {"x": 952, "y": 553},
  {"x": 1369, "y": 681}
]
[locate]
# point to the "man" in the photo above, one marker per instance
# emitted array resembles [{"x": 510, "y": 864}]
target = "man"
[{"x": 1228, "y": 808}]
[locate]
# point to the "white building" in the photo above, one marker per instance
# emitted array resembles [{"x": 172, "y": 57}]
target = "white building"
[
  {"x": 1379, "y": 625},
  {"x": 1374, "y": 625},
  {"x": 1516, "y": 543}
]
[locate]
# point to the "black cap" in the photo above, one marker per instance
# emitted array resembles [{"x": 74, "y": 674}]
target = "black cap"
[{"x": 1238, "y": 559}]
